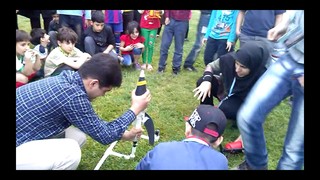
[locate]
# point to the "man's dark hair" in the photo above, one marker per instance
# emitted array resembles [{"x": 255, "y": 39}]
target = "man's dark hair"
[
  {"x": 211, "y": 139},
  {"x": 97, "y": 16},
  {"x": 103, "y": 67},
  {"x": 36, "y": 35}
]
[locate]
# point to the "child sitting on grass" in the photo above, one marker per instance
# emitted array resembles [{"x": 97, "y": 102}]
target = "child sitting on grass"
[
  {"x": 27, "y": 60},
  {"x": 99, "y": 37},
  {"x": 131, "y": 44},
  {"x": 66, "y": 56}
]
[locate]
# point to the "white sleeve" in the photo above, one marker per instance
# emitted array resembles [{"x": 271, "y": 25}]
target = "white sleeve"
[{"x": 19, "y": 65}]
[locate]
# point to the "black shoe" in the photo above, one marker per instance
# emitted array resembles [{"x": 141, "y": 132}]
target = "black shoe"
[
  {"x": 234, "y": 125},
  {"x": 175, "y": 71},
  {"x": 160, "y": 70},
  {"x": 191, "y": 68},
  {"x": 243, "y": 166}
]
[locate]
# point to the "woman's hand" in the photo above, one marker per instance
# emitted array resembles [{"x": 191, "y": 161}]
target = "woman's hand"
[{"x": 203, "y": 90}]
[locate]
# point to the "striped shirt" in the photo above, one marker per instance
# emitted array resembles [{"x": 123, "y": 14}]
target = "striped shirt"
[
  {"x": 46, "y": 107},
  {"x": 113, "y": 16}
]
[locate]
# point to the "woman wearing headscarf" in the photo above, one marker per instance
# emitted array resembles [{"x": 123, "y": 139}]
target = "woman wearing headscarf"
[{"x": 239, "y": 71}]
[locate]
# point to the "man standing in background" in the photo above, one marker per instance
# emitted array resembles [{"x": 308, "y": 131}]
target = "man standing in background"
[{"x": 176, "y": 25}]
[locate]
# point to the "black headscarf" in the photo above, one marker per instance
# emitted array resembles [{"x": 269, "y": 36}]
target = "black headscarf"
[{"x": 253, "y": 55}]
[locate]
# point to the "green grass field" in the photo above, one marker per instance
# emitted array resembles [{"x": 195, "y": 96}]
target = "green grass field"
[{"x": 172, "y": 99}]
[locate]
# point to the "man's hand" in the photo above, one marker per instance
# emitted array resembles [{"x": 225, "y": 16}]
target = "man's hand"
[
  {"x": 273, "y": 34},
  {"x": 130, "y": 135},
  {"x": 280, "y": 29},
  {"x": 139, "y": 103}
]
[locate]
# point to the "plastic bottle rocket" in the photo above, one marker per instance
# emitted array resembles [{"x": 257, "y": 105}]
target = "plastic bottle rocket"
[
  {"x": 141, "y": 89},
  {"x": 141, "y": 84}
]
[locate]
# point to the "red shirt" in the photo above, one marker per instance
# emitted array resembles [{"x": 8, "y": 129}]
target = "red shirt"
[
  {"x": 147, "y": 22},
  {"x": 128, "y": 41}
]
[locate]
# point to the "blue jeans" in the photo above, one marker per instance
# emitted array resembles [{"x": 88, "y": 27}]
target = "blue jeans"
[
  {"x": 191, "y": 58},
  {"x": 276, "y": 84},
  {"x": 177, "y": 29},
  {"x": 127, "y": 58}
]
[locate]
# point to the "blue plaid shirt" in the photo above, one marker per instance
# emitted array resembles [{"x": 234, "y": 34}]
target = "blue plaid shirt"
[{"x": 46, "y": 107}]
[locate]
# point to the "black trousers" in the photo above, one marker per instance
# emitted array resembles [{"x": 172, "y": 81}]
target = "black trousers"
[
  {"x": 127, "y": 17},
  {"x": 229, "y": 106}
]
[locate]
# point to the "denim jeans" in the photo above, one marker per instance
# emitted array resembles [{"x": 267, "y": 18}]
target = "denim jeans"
[
  {"x": 191, "y": 58},
  {"x": 127, "y": 58},
  {"x": 277, "y": 83},
  {"x": 177, "y": 29}
]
